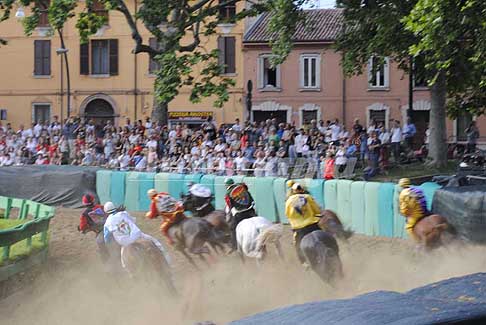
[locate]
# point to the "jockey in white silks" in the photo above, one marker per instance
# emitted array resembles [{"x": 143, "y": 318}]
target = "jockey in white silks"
[{"x": 121, "y": 227}]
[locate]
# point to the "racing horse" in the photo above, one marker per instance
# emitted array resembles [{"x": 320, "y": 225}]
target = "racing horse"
[
  {"x": 191, "y": 234},
  {"x": 430, "y": 231},
  {"x": 330, "y": 222},
  {"x": 321, "y": 252}
]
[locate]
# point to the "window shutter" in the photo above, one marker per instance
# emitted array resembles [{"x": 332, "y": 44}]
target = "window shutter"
[
  {"x": 230, "y": 55},
  {"x": 84, "y": 59},
  {"x": 47, "y": 58},
  {"x": 37, "y": 58},
  {"x": 221, "y": 52},
  {"x": 113, "y": 57}
]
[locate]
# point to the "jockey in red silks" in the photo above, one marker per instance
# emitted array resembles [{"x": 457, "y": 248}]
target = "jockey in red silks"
[{"x": 164, "y": 205}]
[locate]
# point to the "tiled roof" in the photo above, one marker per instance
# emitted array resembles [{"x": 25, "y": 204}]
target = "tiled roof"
[{"x": 319, "y": 25}]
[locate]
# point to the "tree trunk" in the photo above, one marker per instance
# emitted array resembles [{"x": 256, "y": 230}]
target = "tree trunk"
[
  {"x": 437, "y": 124},
  {"x": 160, "y": 112}
]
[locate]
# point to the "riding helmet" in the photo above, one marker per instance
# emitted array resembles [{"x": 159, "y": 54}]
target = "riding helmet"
[
  {"x": 88, "y": 199},
  {"x": 151, "y": 193},
  {"x": 109, "y": 207},
  {"x": 404, "y": 182}
]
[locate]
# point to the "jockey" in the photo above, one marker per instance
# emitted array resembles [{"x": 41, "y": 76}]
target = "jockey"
[
  {"x": 413, "y": 205},
  {"x": 200, "y": 197},
  {"x": 121, "y": 227},
  {"x": 86, "y": 224},
  {"x": 240, "y": 204},
  {"x": 164, "y": 205},
  {"x": 303, "y": 214}
]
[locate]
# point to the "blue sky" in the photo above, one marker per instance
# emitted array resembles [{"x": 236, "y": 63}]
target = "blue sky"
[{"x": 321, "y": 4}]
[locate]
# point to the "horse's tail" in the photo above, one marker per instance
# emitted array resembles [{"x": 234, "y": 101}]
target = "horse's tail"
[{"x": 270, "y": 234}]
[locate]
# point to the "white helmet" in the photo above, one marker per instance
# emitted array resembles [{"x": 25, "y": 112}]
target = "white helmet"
[
  {"x": 151, "y": 193},
  {"x": 109, "y": 207}
]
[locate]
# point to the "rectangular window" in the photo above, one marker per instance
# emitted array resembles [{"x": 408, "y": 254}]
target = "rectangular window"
[
  {"x": 99, "y": 57},
  {"x": 153, "y": 65},
  {"x": 378, "y": 73},
  {"x": 227, "y": 12},
  {"x": 268, "y": 76},
  {"x": 462, "y": 123},
  {"x": 379, "y": 116},
  {"x": 308, "y": 116},
  {"x": 41, "y": 112},
  {"x": 3, "y": 114},
  {"x": 42, "y": 58},
  {"x": 310, "y": 71},
  {"x": 43, "y": 7},
  {"x": 226, "y": 47}
]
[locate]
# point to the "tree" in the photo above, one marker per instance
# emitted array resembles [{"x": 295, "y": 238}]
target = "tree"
[
  {"x": 178, "y": 26},
  {"x": 448, "y": 35}
]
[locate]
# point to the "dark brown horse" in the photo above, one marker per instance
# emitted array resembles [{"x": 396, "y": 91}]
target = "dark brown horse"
[
  {"x": 330, "y": 222},
  {"x": 429, "y": 231}
]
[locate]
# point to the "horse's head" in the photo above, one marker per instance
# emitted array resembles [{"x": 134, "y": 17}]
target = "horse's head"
[{"x": 330, "y": 222}]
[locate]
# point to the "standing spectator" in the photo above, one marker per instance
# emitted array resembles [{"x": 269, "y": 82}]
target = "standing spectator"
[
  {"x": 300, "y": 141},
  {"x": 374, "y": 154},
  {"x": 341, "y": 159},
  {"x": 240, "y": 163},
  {"x": 335, "y": 130},
  {"x": 396, "y": 139},
  {"x": 427, "y": 136},
  {"x": 357, "y": 128},
  {"x": 259, "y": 164},
  {"x": 472, "y": 133},
  {"x": 271, "y": 166},
  {"x": 409, "y": 132}
]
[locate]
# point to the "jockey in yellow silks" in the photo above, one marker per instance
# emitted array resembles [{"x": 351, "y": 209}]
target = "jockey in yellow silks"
[
  {"x": 413, "y": 205},
  {"x": 303, "y": 214}
]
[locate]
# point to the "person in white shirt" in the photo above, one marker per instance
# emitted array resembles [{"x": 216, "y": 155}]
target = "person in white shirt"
[
  {"x": 26, "y": 133},
  {"x": 148, "y": 123},
  {"x": 38, "y": 129},
  {"x": 142, "y": 163},
  {"x": 396, "y": 139},
  {"x": 124, "y": 160},
  {"x": 236, "y": 127},
  {"x": 121, "y": 227},
  {"x": 152, "y": 143},
  {"x": 384, "y": 136},
  {"x": 219, "y": 147},
  {"x": 341, "y": 159},
  {"x": 300, "y": 141},
  {"x": 335, "y": 130},
  {"x": 240, "y": 163}
]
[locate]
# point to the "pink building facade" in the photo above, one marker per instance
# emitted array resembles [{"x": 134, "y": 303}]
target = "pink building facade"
[{"x": 310, "y": 84}]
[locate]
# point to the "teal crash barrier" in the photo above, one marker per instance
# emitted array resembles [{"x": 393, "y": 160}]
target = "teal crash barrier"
[
  {"x": 176, "y": 185},
  {"x": 103, "y": 185},
  {"x": 372, "y": 227},
  {"x": 117, "y": 190},
  {"x": 344, "y": 201},
  {"x": 315, "y": 187},
  {"x": 429, "y": 189},
  {"x": 358, "y": 207},
  {"x": 398, "y": 219},
  {"x": 208, "y": 181},
  {"x": 131, "y": 191},
  {"x": 330, "y": 195},
  {"x": 385, "y": 209},
  {"x": 161, "y": 182},
  {"x": 145, "y": 183},
  {"x": 280, "y": 194},
  {"x": 264, "y": 198},
  {"x": 219, "y": 192}
]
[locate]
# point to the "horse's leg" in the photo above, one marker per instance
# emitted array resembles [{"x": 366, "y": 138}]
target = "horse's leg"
[{"x": 189, "y": 258}]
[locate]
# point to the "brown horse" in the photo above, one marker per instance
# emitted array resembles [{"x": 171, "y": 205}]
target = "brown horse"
[
  {"x": 330, "y": 222},
  {"x": 429, "y": 231}
]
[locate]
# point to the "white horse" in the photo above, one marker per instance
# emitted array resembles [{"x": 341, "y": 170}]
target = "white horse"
[{"x": 254, "y": 234}]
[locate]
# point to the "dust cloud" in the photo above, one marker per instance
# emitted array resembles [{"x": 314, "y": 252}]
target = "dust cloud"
[{"x": 74, "y": 288}]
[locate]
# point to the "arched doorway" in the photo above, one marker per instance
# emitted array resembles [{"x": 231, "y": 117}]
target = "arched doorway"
[{"x": 100, "y": 111}]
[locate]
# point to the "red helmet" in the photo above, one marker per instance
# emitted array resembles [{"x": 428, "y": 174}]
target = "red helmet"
[{"x": 88, "y": 199}]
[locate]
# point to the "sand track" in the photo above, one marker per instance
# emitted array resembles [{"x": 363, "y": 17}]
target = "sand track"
[{"x": 73, "y": 287}]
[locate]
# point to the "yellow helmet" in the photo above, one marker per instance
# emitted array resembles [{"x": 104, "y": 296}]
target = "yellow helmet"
[
  {"x": 297, "y": 188},
  {"x": 151, "y": 193},
  {"x": 290, "y": 183},
  {"x": 404, "y": 182}
]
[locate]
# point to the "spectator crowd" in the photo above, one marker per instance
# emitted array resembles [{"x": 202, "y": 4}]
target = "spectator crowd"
[{"x": 323, "y": 149}]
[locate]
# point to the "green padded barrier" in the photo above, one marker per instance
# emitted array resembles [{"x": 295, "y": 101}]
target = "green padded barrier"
[
  {"x": 330, "y": 195},
  {"x": 372, "y": 227},
  {"x": 344, "y": 201},
  {"x": 208, "y": 181},
  {"x": 358, "y": 207},
  {"x": 398, "y": 219},
  {"x": 280, "y": 194},
  {"x": 103, "y": 185},
  {"x": 385, "y": 209},
  {"x": 265, "y": 199},
  {"x": 251, "y": 183},
  {"x": 5, "y": 205},
  {"x": 31, "y": 208},
  {"x": 18, "y": 204},
  {"x": 118, "y": 187},
  {"x": 429, "y": 189},
  {"x": 145, "y": 183},
  {"x": 131, "y": 191},
  {"x": 46, "y": 211},
  {"x": 161, "y": 182},
  {"x": 176, "y": 185},
  {"x": 190, "y": 178},
  {"x": 315, "y": 187},
  {"x": 219, "y": 192}
]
